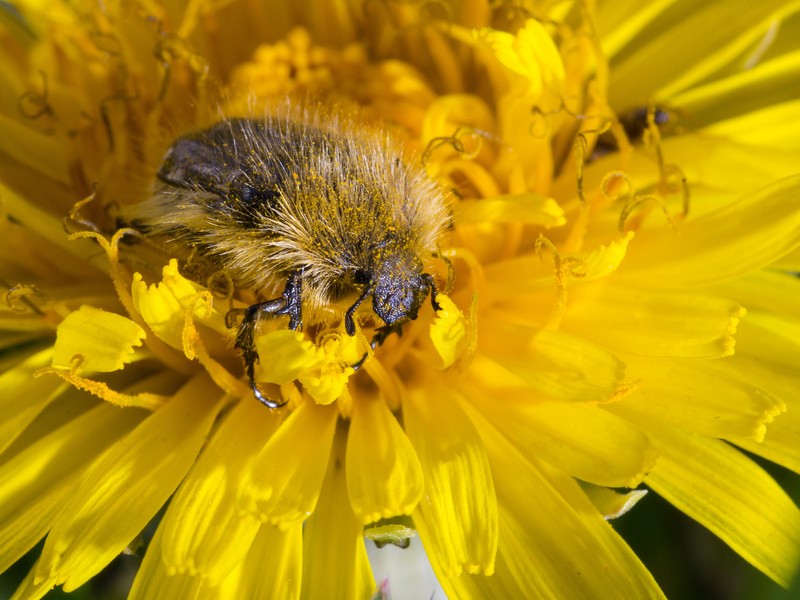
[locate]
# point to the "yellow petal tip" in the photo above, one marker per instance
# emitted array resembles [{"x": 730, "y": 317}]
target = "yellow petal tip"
[{"x": 95, "y": 340}]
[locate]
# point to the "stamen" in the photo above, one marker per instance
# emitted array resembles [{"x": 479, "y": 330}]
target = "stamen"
[
  {"x": 121, "y": 282},
  {"x": 581, "y": 151},
  {"x": 106, "y": 42},
  {"x": 562, "y": 269},
  {"x": 670, "y": 176},
  {"x": 539, "y": 128},
  {"x": 541, "y": 117},
  {"x": 75, "y": 217},
  {"x": 234, "y": 316},
  {"x": 623, "y": 389},
  {"x": 18, "y": 298},
  {"x": 221, "y": 285},
  {"x": 33, "y": 105},
  {"x": 632, "y": 200},
  {"x": 145, "y": 400},
  {"x": 105, "y": 116},
  {"x": 455, "y": 142},
  {"x": 172, "y": 47},
  {"x": 477, "y": 278}
]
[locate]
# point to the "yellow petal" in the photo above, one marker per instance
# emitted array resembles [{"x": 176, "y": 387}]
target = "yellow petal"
[
  {"x": 30, "y": 396},
  {"x": 584, "y": 441},
  {"x": 769, "y": 353},
  {"x": 333, "y": 525},
  {"x": 34, "y": 483},
  {"x": 103, "y": 340},
  {"x": 31, "y": 589},
  {"x": 323, "y": 369},
  {"x": 384, "y": 477},
  {"x": 273, "y": 567},
  {"x": 652, "y": 323},
  {"x": 281, "y": 488},
  {"x": 565, "y": 548},
  {"x": 528, "y": 209},
  {"x": 448, "y": 331},
  {"x": 286, "y": 356},
  {"x": 712, "y": 49},
  {"x": 187, "y": 292},
  {"x": 44, "y": 154},
  {"x": 765, "y": 84},
  {"x": 766, "y": 292},
  {"x": 530, "y": 54},
  {"x": 765, "y": 127},
  {"x": 606, "y": 258},
  {"x": 125, "y": 490},
  {"x": 624, "y": 20},
  {"x": 554, "y": 542},
  {"x": 459, "y": 506},
  {"x": 702, "y": 398},
  {"x": 520, "y": 275},
  {"x": 153, "y": 582},
  {"x": 502, "y": 584},
  {"x": 329, "y": 385},
  {"x": 715, "y": 166},
  {"x": 556, "y": 365},
  {"x": 789, "y": 262},
  {"x": 72, "y": 257},
  {"x": 720, "y": 488},
  {"x": 160, "y": 310},
  {"x": 204, "y": 532},
  {"x": 780, "y": 441},
  {"x": 326, "y": 382},
  {"x": 774, "y": 338},
  {"x": 164, "y": 305},
  {"x": 742, "y": 237}
]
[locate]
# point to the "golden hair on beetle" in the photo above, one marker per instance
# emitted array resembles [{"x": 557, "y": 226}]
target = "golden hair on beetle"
[{"x": 318, "y": 200}]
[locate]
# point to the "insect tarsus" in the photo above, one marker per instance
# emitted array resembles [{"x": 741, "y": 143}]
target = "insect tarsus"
[{"x": 289, "y": 303}]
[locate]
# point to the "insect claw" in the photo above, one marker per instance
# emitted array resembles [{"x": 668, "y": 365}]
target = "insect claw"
[
  {"x": 250, "y": 360},
  {"x": 360, "y": 362},
  {"x": 263, "y": 399}
]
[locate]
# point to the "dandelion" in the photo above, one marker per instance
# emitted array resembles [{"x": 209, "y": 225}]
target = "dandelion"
[{"x": 618, "y": 311}]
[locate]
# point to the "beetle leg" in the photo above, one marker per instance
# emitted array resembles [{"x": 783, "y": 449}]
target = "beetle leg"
[
  {"x": 434, "y": 292},
  {"x": 289, "y": 303},
  {"x": 349, "y": 324}
]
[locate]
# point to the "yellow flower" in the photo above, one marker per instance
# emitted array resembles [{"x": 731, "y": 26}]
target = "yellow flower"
[{"x": 619, "y": 309}]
